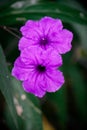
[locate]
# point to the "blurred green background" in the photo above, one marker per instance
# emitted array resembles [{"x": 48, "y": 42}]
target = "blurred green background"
[{"x": 67, "y": 108}]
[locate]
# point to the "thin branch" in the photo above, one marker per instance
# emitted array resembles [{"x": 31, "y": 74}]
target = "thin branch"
[
  {"x": 14, "y": 29},
  {"x": 11, "y": 32}
]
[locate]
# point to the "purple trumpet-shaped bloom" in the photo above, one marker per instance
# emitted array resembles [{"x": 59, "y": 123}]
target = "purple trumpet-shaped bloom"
[
  {"x": 45, "y": 33},
  {"x": 38, "y": 70}
]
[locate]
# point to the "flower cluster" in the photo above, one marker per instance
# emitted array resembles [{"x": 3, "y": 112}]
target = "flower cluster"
[{"x": 40, "y": 47}]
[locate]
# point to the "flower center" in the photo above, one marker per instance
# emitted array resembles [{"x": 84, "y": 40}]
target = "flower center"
[
  {"x": 43, "y": 41},
  {"x": 41, "y": 68}
]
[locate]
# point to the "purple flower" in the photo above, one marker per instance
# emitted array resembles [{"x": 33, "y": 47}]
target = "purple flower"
[
  {"x": 38, "y": 70},
  {"x": 45, "y": 33}
]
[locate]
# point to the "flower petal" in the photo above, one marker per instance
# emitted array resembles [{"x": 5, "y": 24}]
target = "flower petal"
[
  {"x": 31, "y": 55},
  {"x": 20, "y": 71},
  {"x": 25, "y": 42},
  {"x": 33, "y": 86},
  {"x": 28, "y": 25},
  {"x": 54, "y": 81},
  {"x": 31, "y": 30},
  {"x": 62, "y": 41},
  {"x": 51, "y": 58},
  {"x": 48, "y": 24}
]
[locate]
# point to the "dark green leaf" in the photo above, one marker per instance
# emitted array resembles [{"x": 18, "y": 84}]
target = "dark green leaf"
[
  {"x": 82, "y": 33},
  {"x": 60, "y": 100},
  {"x": 27, "y": 106},
  {"x": 79, "y": 90},
  {"x": 19, "y": 14},
  {"x": 76, "y": 84},
  {"x": 6, "y": 87}
]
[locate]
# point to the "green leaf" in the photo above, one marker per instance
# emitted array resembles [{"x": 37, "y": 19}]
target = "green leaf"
[
  {"x": 76, "y": 84},
  {"x": 59, "y": 98},
  {"x": 6, "y": 88},
  {"x": 82, "y": 33},
  {"x": 19, "y": 14},
  {"x": 27, "y": 105},
  {"x": 79, "y": 90}
]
